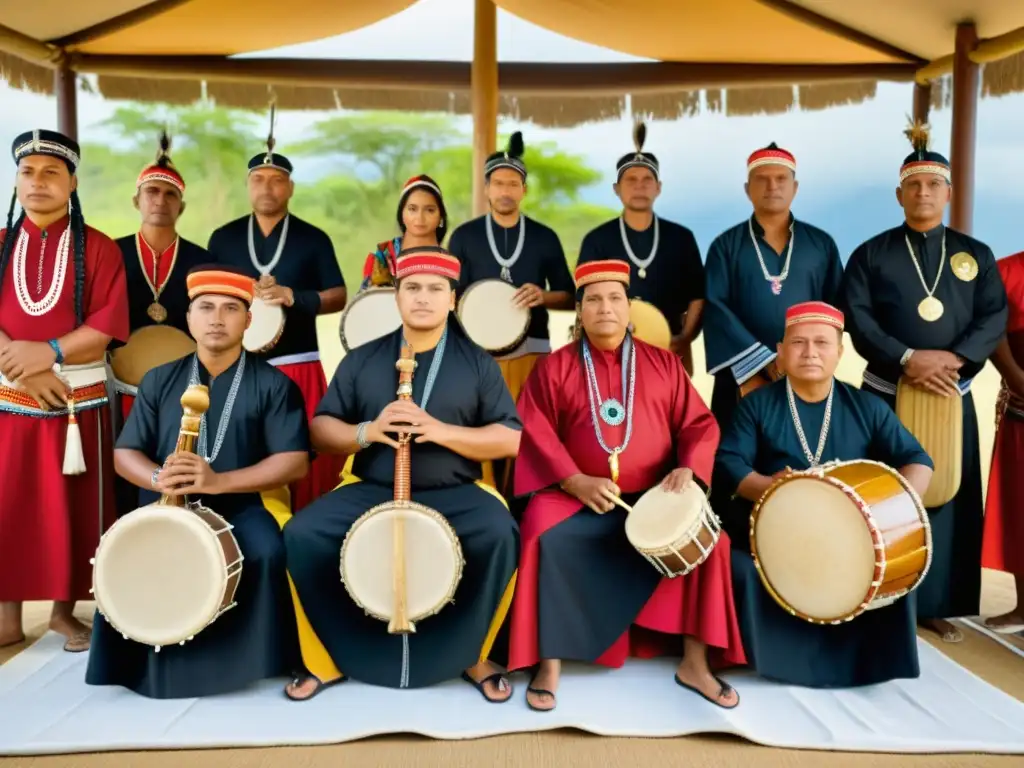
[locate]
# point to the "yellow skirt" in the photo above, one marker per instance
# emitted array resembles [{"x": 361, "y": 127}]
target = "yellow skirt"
[{"x": 515, "y": 372}]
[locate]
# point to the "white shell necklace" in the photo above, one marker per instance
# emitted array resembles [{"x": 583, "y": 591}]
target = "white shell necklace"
[
  {"x": 60, "y": 269},
  {"x": 815, "y": 458},
  {"x": 641, "y": 264},
  {"x": 266, "y": 269},
  {"x": 506, "y": 264},
  {"x": 778, "y": 280}
]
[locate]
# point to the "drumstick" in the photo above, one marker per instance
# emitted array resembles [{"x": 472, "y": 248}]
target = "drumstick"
[
  {"x": 400, "y": 624},
  {"x": 619, "y": 502},
  {"x": 194, "y": 403}
]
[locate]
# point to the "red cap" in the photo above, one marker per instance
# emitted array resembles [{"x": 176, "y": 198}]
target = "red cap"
[
  {"x": 428, "y": 260},
  {"x": 815, "y": 312},
  {"x": 771, "y": 155},
  {"x": 421, "y": 181},
  {"x": 602, "y": 271},
  {"x": 166, "y": 173}
]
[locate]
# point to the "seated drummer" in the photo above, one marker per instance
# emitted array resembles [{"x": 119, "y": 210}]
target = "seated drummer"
[
  {"x": 253, "y": 439},
  {"x": 461, "y": 414},
  {"x": 806, "y": 419},
  {"x": 584, "y": 593}
]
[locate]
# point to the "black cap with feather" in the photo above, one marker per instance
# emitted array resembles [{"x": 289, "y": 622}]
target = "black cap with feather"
[
  {"x": 270, "y": 159},
  {"x": 512, "y": 157},
  {"x": 921, "y": 160},
  {"x": 162, "y": 169},
  {"x": 639, "y": 158}
]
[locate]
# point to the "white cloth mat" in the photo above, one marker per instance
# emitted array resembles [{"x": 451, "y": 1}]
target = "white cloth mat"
[{"x": 48, "y": 709}]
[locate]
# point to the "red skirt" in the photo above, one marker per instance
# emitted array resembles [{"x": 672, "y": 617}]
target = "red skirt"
[
  {"x": 1003, "y": 547},
  {"x": 325, "y": 472},
  {"x": 51, "y": 523}
]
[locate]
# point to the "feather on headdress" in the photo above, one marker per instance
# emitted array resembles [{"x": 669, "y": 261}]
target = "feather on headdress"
[
  {"x": 639, "y": 136},
  {"x": 918, "y": 134}
]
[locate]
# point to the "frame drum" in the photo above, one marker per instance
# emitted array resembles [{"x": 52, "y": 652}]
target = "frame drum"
[
  {"x": 674, "y": 531},
  {"x": 832, "y": 542},
  {"x": 433, "y": 560},
  {"x": 489, "y": 317},
  {"x": 266, "y": 327},
  {"x": 649, "y": 324},
  {"x": 371, "y": 314},
  {"x": 162, "y": 573},
  {"x": 148, "y": 347},
  {"x": 938, "y": 424}
]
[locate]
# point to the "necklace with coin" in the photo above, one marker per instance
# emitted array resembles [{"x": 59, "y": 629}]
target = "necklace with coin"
[
  {"x": 156, "y": 311},
  {"x": 930, "y": 309}
]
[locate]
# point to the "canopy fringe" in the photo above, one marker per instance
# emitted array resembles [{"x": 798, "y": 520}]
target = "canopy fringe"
[
  {"x": 773, "y": 100},
  {"x": 665, "y": 106},
  {"x": 826, "y": 95},
  {"x": 24, "y": 75},
  {"x": 177, "y": 92},
  {"x": 1003, "y": 77}
]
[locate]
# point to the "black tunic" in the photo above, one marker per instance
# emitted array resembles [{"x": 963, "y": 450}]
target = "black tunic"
[
  {"x": 878, "y": 645},
  {"x": 174, "y": 297},
  {"x": 469, "y": 391},
  {"x": 880, "y": 294},
  {"x": 673, "y": 279},
  {"x": 307, "y": 266},
  {"x": 256, "y": 639},
  {"x": 541, "y": 262}
]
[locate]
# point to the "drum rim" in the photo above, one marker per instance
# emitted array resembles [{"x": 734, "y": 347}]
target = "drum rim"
[
  {"x": 211, "y": 541},
  {"x": 377, "y": 289},
  {"x": 819, "y": 474},
  {"x": 527, "y": 316},
  {"x": 266, "y": 346},
  {"x": 418, "y": 508}
]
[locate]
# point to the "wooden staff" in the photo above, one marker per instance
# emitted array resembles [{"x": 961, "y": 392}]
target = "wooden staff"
[
  {"x": 195, "y": 402},
  {"x": 400, "y": 624}
]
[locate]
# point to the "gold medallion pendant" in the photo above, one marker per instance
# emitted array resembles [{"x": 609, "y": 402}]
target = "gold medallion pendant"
[
  {"x": 613, "y": 465},
  {"x": 930, "y": 309},
  {"x": 156, "y": 312},
  {"x": 964, "y": 266}
]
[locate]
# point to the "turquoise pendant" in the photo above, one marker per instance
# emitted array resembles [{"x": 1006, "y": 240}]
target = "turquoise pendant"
[{"x": 612, "y": 412}]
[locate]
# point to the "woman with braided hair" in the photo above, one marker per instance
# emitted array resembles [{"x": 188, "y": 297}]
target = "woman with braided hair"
[{"x": 63, "y": 298}]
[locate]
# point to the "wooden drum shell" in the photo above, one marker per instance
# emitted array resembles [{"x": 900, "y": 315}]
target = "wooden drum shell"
[{"x": 938, "y": 424}]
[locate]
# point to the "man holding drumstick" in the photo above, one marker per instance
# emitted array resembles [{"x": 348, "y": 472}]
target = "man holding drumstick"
[
  {"x": 805, "y": 420},
  {"x": 584, "y": 592},
  {"x": 297, "y": 270},
  {"x": 253, "y": 440},
  {"x": 505, "y": 244}
]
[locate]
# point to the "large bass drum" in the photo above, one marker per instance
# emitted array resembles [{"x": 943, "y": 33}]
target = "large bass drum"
[
  {"x": 164, "y": 573},
  {"x": 832, "y": 542}
]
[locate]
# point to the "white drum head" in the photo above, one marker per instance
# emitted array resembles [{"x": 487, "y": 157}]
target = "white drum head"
[
  {"x": 489, "y": 317},
  {"x": 432, "y": 563},
  {"x": 159, "y": 575},
  {"x": 662, "y": 518},
  {"x": 372, "y": 314},
  {"x": 267, "y": 320},
  {"x": 815, "y": 548}
]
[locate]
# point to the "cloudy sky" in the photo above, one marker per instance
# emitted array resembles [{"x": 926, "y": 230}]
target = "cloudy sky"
[{"x": 848, "y": 157}]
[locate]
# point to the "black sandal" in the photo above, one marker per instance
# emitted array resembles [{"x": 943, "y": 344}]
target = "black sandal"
[
  {"x": 539, "y": 692},
  {"x": 320, "y": 686},
  {"x": 724, "y": 690},
  {"x": 495, "y": 678}
]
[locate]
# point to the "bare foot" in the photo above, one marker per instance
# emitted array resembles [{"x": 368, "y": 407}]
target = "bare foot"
[
  {"x": 10, "y": 624},
  {"x": 1008, "y": 622},
  {"x": 707, "y": 685},
  {"x": 946, "y": 630},
  {"x": 540, "y": 695},
  {"x": 496, "y": 689},
  {"x": 12, "y": 637}
]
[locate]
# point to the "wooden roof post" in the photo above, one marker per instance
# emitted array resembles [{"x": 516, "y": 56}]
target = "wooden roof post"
[
  {"x": 965, "y": 121},
  {"x": 64, "y": 88},
  {"x": 484, "y": 93}
]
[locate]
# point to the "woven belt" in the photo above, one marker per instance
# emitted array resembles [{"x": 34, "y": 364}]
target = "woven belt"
[{"x": 88, "y": 390}]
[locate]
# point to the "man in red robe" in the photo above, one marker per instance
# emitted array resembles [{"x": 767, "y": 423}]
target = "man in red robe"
[
  {"x": 583, "y": 592},
  {"x": 1003, "y": 547},
  {"x": 62, "y": 300}
]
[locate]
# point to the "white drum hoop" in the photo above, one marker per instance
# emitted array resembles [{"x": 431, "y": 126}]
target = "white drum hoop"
[
  {"x": 266, "y": 327},
  {"x": 352, "y": 539},
  {"x": 355, "y": 329},
  {"x": 491, "y": 335},
  {"x": 191, "y": 517},
  {"x": 705, "y": 519}
]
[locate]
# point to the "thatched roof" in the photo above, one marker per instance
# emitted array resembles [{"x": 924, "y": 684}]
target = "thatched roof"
[{"x": 740, "y": 57}]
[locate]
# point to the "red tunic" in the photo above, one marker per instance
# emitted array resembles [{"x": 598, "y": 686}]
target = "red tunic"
[
  {"x": 1003, "y": 547},
  {"x": 672, "y": 428},
  {"x": 50, "y": 523}
]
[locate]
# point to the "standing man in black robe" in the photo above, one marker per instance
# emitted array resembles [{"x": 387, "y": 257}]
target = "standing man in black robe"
[
  {"x": 665, "y": 264},
  {"x": 461, "y": 414},
  {"x": 911, "y": 314},
  {"x": 498, "y": 246},
  {"x": 253, "y": 439}
]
